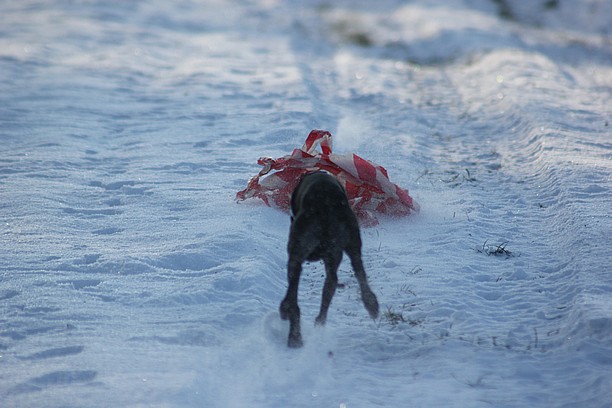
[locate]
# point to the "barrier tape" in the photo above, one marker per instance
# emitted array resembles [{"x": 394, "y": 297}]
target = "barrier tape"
[{"x": 367, "y": 185}]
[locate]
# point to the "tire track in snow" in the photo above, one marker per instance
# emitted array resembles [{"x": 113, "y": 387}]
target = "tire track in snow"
[
  {"x": 544, "y": 152},
  {"x": 544, "y": 166}
]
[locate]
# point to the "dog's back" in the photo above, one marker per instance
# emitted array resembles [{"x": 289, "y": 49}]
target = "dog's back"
[
  {"x": 319, "y": 204},
  {"x": 317, "y": 192}
]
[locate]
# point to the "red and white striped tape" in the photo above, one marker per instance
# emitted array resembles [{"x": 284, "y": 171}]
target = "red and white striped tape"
[{"x": 367, "y": 185}]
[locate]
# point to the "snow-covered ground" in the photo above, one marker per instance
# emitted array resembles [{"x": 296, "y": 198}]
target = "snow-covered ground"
[{"x": 129, "y": 277}]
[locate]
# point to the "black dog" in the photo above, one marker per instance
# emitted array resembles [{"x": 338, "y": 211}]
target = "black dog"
[{"x": 322, "y": 227}]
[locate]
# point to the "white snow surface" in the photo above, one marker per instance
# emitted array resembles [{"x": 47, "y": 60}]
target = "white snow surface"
[{"x": 129, "y": 276}]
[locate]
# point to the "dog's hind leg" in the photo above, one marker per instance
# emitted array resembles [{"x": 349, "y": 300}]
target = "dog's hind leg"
[
  {"x": 300, "y": 246},
  {"x": 332, "y": 262},
  {"x": 367, "y": 296},
  {"x": 289, "y": 309}
]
